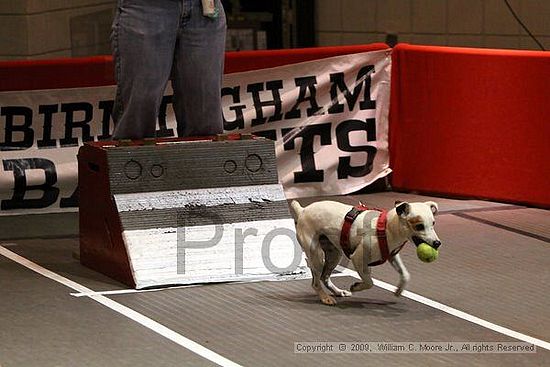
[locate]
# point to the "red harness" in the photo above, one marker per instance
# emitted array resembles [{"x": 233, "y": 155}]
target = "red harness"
[{"x": 380, "y": 233}]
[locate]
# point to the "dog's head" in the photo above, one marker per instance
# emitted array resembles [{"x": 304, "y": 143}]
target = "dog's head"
[{"x": 418, "y": 221}]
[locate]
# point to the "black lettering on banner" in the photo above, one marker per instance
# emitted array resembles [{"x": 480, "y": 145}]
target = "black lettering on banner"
[
  {"x": 70, "y": 202},
  {"x": 71, "y": 124},
  {"x": 107, "y": 107},
  {"x": 19, "y": 166},
  {"x": 307, "y": 86},
  {"x": 47, "y": 111},
  {"x": 238, "y": 123},
  {"x": 274, "y": 86},
  {"x": 342, "y": 136},
  {"x": 308, "y": 133},
  {"x": 10, "y": 112},
  {"x": 339, "y": 84},
  {"x": 164, "y": 131}
]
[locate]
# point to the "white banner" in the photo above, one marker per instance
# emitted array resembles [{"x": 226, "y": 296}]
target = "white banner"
[{"x": 329, "y": 118}]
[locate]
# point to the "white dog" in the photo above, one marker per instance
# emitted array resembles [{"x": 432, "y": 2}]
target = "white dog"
[{"x": 326, "y": 229}]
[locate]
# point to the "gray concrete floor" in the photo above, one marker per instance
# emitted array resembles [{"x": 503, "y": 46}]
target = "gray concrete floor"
[{"x": 493, "y": 264}]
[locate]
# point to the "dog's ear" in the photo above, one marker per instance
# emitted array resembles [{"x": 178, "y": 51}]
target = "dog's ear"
[
  {"x": 403, "y": 209},
  {"x": 433, "y": 206}
]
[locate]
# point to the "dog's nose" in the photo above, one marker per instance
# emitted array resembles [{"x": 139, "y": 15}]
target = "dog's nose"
[{"x": 436, "y": 244}]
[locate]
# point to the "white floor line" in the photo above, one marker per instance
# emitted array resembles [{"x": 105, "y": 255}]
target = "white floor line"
[
  {"x": 128, "y": 291},
  {"x": 123, "y": 310},
  {"x": 132, "y": 291},
  {"x": 453, "y": 311}
]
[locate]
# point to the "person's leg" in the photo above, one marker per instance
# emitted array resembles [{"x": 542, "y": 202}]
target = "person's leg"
[
  {"x": 198, "y": 71},
  {"x": 143, "y": 40}
]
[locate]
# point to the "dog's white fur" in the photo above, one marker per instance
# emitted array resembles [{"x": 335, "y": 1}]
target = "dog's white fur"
[{"x": 318, "y": 229}]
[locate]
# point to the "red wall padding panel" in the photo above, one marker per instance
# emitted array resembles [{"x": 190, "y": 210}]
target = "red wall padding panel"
[
  {"x": 471, "y": 123},
  {"x": 56, "y": 73},
  {"x": 98, "y": 70},
  {"x": 464, "y": 122},
  {"x": 253, "y": 60}
]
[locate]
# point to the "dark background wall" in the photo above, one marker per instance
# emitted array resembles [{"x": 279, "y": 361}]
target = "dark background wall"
[{"x": 31, "y": 29}]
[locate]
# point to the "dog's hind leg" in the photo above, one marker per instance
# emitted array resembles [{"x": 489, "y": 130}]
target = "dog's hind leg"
[
  {"x": 404, "y": 275},
  {"x": 360, "y": 263},
  {"x": 316, "y": 260},
  {"x": 332, "y": 259}
]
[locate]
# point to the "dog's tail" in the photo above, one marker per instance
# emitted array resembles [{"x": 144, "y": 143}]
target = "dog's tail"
[{"x": 297, "y": 209}]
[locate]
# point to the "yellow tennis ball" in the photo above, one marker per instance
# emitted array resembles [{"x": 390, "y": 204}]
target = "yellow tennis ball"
[{"x": 426, "y": 253}]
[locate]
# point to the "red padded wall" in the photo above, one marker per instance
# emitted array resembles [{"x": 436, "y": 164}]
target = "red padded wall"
[
  {"x": 56, "y": 73},
  {"x": 98, "y": 70},
  {"x": 463, "y": 122},
  {"x": 471, "y": 123},
  {"x": 253, "y": 60}
]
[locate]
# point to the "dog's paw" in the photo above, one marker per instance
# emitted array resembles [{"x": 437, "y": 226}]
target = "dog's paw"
[
  {"x": 344, "y": 293},
  {"x": 400, "y": 288},
  {"x": 328, "y": 300},
  {"x": 359, "y": 286}
]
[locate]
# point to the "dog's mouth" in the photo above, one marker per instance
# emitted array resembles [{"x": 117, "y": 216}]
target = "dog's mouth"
[{"x": 417, "y": 241}]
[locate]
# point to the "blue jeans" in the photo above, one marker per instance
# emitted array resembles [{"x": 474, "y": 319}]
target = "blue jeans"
[{"x": 155, "y": 40}]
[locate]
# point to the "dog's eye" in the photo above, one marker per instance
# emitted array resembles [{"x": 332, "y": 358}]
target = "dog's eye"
[{"x": 419, "y": 227}]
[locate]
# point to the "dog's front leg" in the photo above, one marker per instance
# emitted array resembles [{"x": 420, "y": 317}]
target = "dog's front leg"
[
  {"x": 404, "y": 276},
  {"x": 360, "y": 263}
]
